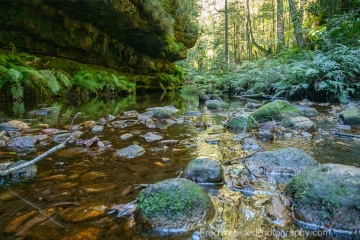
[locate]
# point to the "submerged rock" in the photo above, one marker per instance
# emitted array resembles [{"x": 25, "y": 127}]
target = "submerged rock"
[
  {"x": 131, "y": 151},
  {"x": 307, "y": 111},
  {"x": 243, "y": 123},
  {"x": 82, "y": 213},
  {"x": 277, "y": 110},
  {"x": 174, "y": 205},
  {"x": 351, "y": 116},
  {"x": 153, "y": 136},
  {"x": 29, "y": 171},
  {"x": 204, "y": 170},
  {"x": 22, "y": 143},
  {"x": 300, "y": 123},
  {"x": 327, "y": 195},
  {"x": 90, "y": 233},
  {"x": 282, "y": 164}
]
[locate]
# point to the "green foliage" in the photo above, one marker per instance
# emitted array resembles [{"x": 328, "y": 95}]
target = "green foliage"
[{"x": 169, "y": 81}]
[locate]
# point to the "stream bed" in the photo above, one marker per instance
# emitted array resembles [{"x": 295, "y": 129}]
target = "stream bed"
[{"x": 70, "y": 195}]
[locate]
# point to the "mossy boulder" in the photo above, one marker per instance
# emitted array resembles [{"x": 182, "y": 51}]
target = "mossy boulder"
[
  {"x": 164, "y": 113},
  {"x": 216, "y": 104},
  {"x": 351, "y": 116},
  {"x": 300, "y": 123},
  {"x": 174, "y": 205},
  {"x": 243, "y": 123},
  {"x": 276, "y": 110},
  {"x": 204, "y": 170},
  {"x": 327, "y": 194}
]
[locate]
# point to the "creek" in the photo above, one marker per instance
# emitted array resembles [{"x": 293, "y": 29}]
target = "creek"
[{"x": 73, "y": 188}]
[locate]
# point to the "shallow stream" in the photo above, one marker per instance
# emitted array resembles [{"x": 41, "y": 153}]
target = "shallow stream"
[{"x": 69, "y": 196}]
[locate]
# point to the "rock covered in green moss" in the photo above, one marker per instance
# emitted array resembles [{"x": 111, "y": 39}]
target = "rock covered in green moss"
[
  {"x": 204, "y": 170},
  {"x": 276, "y": 110},
  {"x": 243, "y": 123},
  {"x": 174, "y": 205},
  {"x": 300, "y": 123},
  {"x": 216, "y": 104},
  {"x": 327, "y": 194},
  {"x": 351, "y": 116}
]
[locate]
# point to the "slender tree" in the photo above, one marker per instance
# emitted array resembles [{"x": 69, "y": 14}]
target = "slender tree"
[
  {"x": 296, "y": 20},
  {"x": 280, "y": 24},
  {"x": 226, "y": 32}
]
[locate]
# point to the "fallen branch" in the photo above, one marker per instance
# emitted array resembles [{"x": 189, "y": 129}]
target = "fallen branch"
[{"x": 42, "y": 156}]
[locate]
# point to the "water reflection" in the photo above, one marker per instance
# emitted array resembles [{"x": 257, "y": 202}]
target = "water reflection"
[{"x": 72, "y": 189}]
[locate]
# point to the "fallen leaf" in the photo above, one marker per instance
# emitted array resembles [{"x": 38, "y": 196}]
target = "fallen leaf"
[{"x": 127, "y": 190}]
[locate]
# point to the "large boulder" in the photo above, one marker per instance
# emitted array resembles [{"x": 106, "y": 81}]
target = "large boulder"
[
  {"x": 351, "y": 116},
  {"x": 174, "y": 205},
  {"x": 242, "y": 123},
  {"x": 282, "y": 164},
  {"x": 204, "y": 170},
  {"x": 25, "y": 143},
  {"x": 327, "y": 195},
  {"x": 300, "y": 123},
  {"x": 276, "y": 110},
  {"x": 216, "y": 104}
]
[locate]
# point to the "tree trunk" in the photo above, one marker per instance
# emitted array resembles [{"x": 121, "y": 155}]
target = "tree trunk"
[
  {"x": 226, "y": 33},
  {"x": 297, "y": 24},
  {"x": 251, "y": 33},
  {"x": 280, "y": 25}
]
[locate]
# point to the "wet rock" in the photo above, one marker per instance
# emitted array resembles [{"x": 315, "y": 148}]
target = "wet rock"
[
  {"x": 29, "y": 171},
  {"x": 72, "y": 152},
  {"x": 252, "y": 105},
  {"x": 307, "y": 111},
  {"x": 216, "y": 104},
  {"x": 131, "y": 151},
  {"x": 241, "y": 136},
  {"x": 243, "y": 123},
  {"x": 282, "y": 164},
  {"x": 111, "y": 117},
  {"x": 89, "y": 124},
  {"x": 327, "y": 195},
  {"x": 91, "y": 233},
  {"x": 169, "y": 143},
  {"x": 42, "y": 112},
  {"x": 19, "y": 124},
  {"x": 8, "y": 127},
  {"x": 351, "y": 116},
  {"x": 124, "y": 123},
  {"x": 130, "y": 114},
  {"x": 249, "y": 144},
  {"x": 267, "y": 126},
  {"x": 42, "y": 137},
  {"x": 306, "y": 102},
  {"x": 204, "y": 170},
  {"x": 193, "y": 113},
  {"x": 276, "y": 110},
  {"x": 97, "y": 128},
  {"x": 49, "y": 131},
  {"x": 144, "y": 116},
  {"x": 99, "y": 187},
  {"x": 343, "y": 127},
  {"x": 164, "y": 114},
  {"x": 126, "y": 136},
  {"x": 168, "y": 108},
  {"x": 92, "y": 176},
  {"x": 300, "y": 123},
  {"x": 265, "y": 135},
  {"x": 212, "y": 141},
  {"x": 174, "y": 205},
  {"x": 59, "y": 138},
  {"x": 150, "y": 123},
  {"x": 153, "y": 136},
  {"x": 15, "y": 224},
  {"x": 306, "y": 135},
  {"x": 14, "y": 134},
  {"x": 22, "y": 143},
  {"x": 277, "y": 211},
  {"x": 82, "y": 213}
]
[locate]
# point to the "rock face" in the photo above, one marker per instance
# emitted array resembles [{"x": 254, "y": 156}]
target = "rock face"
[
  {"x": 327, "y": 194},
  {"x": 174, "y": 205},
  {"x": 282, "y": 164},
  {"x": 132, "y": 36},
  {"x": 204, "y": 170},
  {"x": 351, "y": 116},
  {"x": 277, "y": 110}
]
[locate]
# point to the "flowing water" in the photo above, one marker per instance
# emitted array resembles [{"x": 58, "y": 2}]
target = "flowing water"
[{"x": 73, "y": 188}]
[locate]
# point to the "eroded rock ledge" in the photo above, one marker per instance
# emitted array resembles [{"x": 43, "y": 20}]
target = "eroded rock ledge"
[{"x": 132, "y": 36}]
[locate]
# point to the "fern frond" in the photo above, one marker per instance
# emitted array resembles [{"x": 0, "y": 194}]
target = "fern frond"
[
  {"x": 50, "y": 80},
  {"x": 64, "y": 79},
  {"x": 3, "y": 59},
  {"x": 15, "y": 75},
  {"x": 17, "y": 91}
]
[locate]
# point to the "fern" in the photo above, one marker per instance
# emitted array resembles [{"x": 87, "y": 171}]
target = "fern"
[
  {"x": 64, "y": 79},
  {"x": 14, "y": 75},
  {"x": 50, "y": 80},
  {"x": 17, "y": 91}
]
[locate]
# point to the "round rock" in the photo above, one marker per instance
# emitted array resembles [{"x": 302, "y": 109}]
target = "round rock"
[
  {"x": 204, "y": 170},
  {"x": 174, "y": 205},
  {"x": 131, "y": 151},
  {"x": 327, "y": 194}
]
